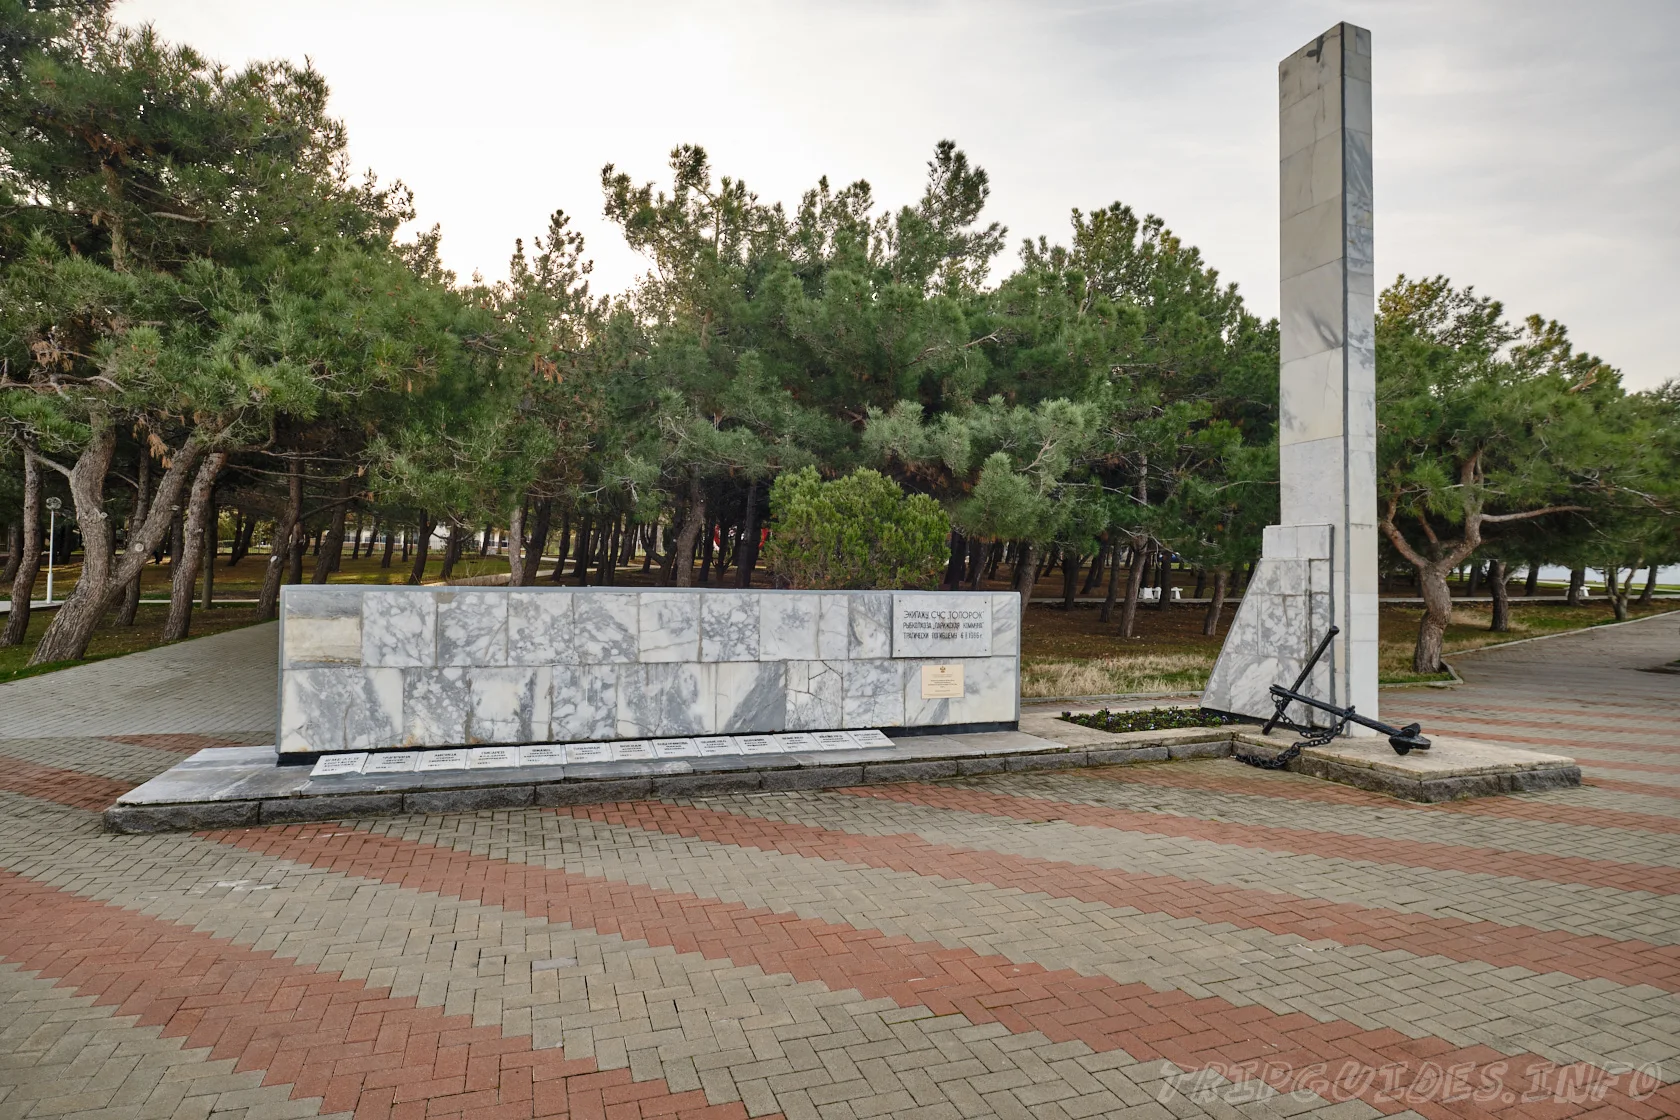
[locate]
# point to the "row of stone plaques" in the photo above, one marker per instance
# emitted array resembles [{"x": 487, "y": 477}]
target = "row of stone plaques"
[
  {"x": 353, "y": 708},
  {"x": 573, "y": 754},
  {"x": 423, "y": 628}
]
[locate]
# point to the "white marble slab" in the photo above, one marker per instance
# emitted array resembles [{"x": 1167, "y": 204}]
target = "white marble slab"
[
  {"x": 509, "y": 705},
  {"x": 633, "y": 750},
  {"x": 607, "y": 625},
  {"x": 870, "y": 625},
  {"x": 870, "y": 737},
  {"x": 669, "y": 627},
  {"x": 492, "y": 758},
  {"x": 873, "y": 694},
  {"x": 340, "y": 709},
  {"x": 713, "y": 746},
  {"x": 835, "y": 740},
  {"x": 664, "y": 700},
  {"x": 675, "y": 748},
  {"x": 747, "y": 696},
  {"x": 729, "y": 627},
  {"x": 399, "y": 629},
  {"x": 588, "y": 752},
  {"x": 815, "y": 690},
  {"x": 787, "y": 627},
  {"x": 758, "y": 744},
  {"x": 797, "y": 741},
  {"x": 585, "y": 701},
  {"x": 472, "y": 627},
  {"x": 435, "y": 707},
  {"x": 540, "y": 629}
]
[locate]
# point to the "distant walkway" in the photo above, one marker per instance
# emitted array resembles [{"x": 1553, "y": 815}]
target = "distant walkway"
[{"x": 222, "y": 685}]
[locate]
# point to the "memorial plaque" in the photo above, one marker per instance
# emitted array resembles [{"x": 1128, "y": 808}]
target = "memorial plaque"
[
  {"x": 869, "y": 737},
  {"x": 334, "y": 765},
  {"x": 942, "y": 625},
  {"x": 835, "y": 741},
  {"x": 542, "y": 755},
  {"x": 711, "y": 746},
  {"x": 942, "y": 682},
  {"x": 675, "y": 748},
  {"x": 635, "y": 750},
  {"x": 797, "y": 741},
  {"x": 758, "y": 744},
  {"x": 492, "y": 758},
  {"x": 392, "y": 762},
  {"x": 588, "y": 752},
  {"x": 442, "y": 760}
]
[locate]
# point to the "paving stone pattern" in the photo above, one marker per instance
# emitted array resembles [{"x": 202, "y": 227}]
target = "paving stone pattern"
[{"x": 1185, "y": 939}]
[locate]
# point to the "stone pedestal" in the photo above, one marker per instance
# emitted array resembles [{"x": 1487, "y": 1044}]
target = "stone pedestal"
[{"x": 1327, "y": 396}]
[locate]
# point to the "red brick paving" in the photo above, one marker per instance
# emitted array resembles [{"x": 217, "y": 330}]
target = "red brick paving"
[
  {"x": 1626, "y": 962},
  {"x": 1644, "y": 789},
  {"x": 1063, "y": 1005},
  {"x": 67, "y": 787},
  {"x": 1301, "y": 841},
  {"x": 352, "y": 1045},
  {"x": 180, "y": 744}
]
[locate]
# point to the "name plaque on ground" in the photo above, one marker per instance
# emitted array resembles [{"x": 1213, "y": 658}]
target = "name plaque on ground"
[{"x": 943, "y": 625}]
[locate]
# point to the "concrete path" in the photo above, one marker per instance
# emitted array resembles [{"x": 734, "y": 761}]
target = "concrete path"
[{"x": 1182, "y": 940}]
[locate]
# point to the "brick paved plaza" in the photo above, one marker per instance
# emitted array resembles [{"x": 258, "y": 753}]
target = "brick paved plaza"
[{"x": 1182, "y": 939}]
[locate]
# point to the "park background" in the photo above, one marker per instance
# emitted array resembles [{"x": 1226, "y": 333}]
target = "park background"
[{"x": 222, "y": 331}]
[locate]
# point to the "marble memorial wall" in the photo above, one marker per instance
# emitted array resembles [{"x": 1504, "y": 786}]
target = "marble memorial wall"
[{"x": 370, "y": 669}]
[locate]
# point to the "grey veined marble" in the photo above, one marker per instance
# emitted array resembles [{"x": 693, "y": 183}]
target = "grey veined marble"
[
  {"x": 748, "y": 696},
  {"x": 729, "y": 627},
  {"x": 814, "y": 695},
  {"x": 873, "y": 693},
  {"x": 472, "y": 627},
  {"x": 585, "y": 702},
  {"x": 508, "y": 705},
  {"x": 399, "y": 628},
  {"x": 787, "y": 627},
  {"x": 607, "y": 626},
  {"x": 540, "y": 630},
  {"x": 669, "y": 626},
  {"x": 321, "y": 628},
  {"x": 435, "y": 707},
  {"x": 661, "y": 701},
  {"x": 871, "y": 625},
  {"x": 349, "y": 709}
]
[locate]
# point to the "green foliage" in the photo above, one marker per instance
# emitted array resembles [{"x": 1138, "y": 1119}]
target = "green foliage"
[{"x": 856, "y": 532}]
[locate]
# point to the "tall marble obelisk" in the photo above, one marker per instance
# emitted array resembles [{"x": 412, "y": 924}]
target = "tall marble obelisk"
[{"x": 1319, "y": 565}]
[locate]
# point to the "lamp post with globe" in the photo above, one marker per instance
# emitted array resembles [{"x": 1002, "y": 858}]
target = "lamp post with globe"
[{"x": 53, "y": 506}]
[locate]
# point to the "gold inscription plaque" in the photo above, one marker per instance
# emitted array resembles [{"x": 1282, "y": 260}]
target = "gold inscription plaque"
[{"x": 942, "y": 682}]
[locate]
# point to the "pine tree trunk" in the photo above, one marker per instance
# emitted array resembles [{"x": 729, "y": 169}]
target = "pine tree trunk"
[
  {"x": 1026, "y": 573},
  {"x": 248, "y": 529},
  {"x": 1437, "y": 613},
  {"x": 954, "y": 564},
  {"x": 688, "y": 535},
  {"x": 605, "y": 574},
  {"x": 281, "y": 545},
  {"x": 390, "y": 547},
  {"x": 1475, "y": 583},
  {"x": 539, "y": 541},
  {"x": 296, "y": 552},
  {"x": 749, "y": 539},
  {"x": 565, "y": 546},
  {"x": 1216, "y": 605},
  {"x": 581, "y": 568},
  {"x": 1501, "y": 622},
  {"x": 1648, "y": 596},
  {"x": 1099, "y": 561},
  {"x": 1201, "y": 583},
  {"x": 29, "y": 555},
  {"x": 183, "y": 575},
  {"x": 331, "y": 545},
  {"x": 1143, "y": 554},
  {"x": 130, "y": 604},
  {"x": 1163, "y": 580},
  {"x": 1533, "y": 583},
  {"x": 1577, "y": 583},
  {"x": 1070, "y": 577},
  {"x": 422, "y": 546},
  {"x": 212, "y": 543},
  {"x": 516, "y": 545},
  {"x": 14, "y": 550},
  {"x": 706, "y": 553},
  {"x": 1619, "y": 590},
  {"x": 1113, "y": 592},
  {"x": 453, "y": 544},
  {"x": 976, "y": 563},
  {"x": 67, "y": 637},
  {"x": 405, "y": 545}
]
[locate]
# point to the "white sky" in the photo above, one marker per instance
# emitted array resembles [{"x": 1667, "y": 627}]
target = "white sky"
[{"x": 1529, "y": 148}]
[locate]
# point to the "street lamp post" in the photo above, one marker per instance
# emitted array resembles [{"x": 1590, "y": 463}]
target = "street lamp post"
[{"x": 53, "y": 506}]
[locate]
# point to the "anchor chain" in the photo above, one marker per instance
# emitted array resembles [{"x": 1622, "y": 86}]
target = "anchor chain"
[{"x": 1282, "y": 759}]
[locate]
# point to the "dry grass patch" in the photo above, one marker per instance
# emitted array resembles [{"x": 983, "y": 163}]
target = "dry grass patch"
[{"x": 1114, "y": 676}]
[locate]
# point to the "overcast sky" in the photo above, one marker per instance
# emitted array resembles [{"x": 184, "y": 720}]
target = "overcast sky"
[{"x": 1531, "y": 148}]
